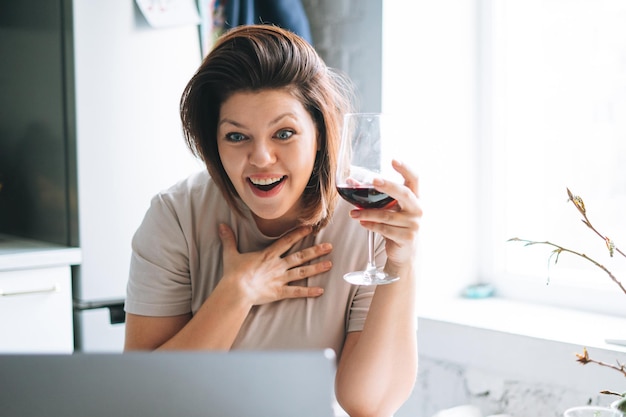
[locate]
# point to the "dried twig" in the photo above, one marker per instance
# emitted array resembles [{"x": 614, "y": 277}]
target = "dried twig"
[
  {"x": 556, "y": 252},
  {"x": 560, "y": 249},
  {"x": 580, "y": 206},
  {"x": 585, "y": 359}
]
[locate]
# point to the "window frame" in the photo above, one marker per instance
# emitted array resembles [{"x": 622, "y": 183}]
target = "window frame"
[
  {"x": 585, "y": 289},
  {"x": 451, "y": 115}
]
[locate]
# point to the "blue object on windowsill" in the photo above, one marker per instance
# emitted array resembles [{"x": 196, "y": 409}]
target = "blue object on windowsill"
[{"x": 480, "y": 290}]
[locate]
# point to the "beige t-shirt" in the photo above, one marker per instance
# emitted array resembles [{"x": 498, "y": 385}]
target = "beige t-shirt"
[{"x": 177, "y": 262}]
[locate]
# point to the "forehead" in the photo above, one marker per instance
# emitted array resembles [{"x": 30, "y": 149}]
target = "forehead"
[{"x": 263, "y": 104}]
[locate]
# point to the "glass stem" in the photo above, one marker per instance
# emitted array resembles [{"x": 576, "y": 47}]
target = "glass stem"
[{"x": 371, "y": 262}]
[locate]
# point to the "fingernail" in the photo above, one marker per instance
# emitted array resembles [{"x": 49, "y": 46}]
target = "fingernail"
[
  {"x": 377, "y": 182},
  {"x": 318, "y": 291},
  {"x": 355, "y": 214}
]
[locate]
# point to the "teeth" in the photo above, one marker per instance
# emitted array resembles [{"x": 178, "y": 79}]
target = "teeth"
[{"x": 265, "y": 181}]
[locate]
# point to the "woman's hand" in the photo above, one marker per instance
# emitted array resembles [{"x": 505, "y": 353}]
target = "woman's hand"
[
  {"x": 263, "y": 276},
  {"x": 398, "y": 224},
  {"x": 382, "y": 358}
]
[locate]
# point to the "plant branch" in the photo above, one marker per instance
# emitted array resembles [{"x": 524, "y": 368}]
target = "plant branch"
[
  {"x": 580, "y": 206},
  {"x": 585, "y": 359},
  {"x": 556, "y": 252},
  {"x": 560, "y": 249}
]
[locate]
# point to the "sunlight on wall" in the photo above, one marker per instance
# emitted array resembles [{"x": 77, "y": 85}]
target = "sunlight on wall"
[{"x": 429, "y": 83}]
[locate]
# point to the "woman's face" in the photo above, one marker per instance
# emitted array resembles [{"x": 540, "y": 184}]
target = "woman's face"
[{"x": 267, "y": 143}]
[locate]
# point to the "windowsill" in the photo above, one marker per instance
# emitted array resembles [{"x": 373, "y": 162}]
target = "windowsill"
[
  {"x": 536, "y": 321},
  {"x": 522, "y": 340}
]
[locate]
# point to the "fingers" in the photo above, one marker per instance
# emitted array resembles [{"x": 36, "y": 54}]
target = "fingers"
[
  {"x": 397, "y": 226},
  {"x": 405, "y": 194},
  {"x": 411, "y": 179},
  {"x": 270, "y": 271},
  {"x": 289, "y": 291},
  {"x": 283, "y": 244},
  {"x": 277, "y": 249},
  {"x": 306, "y": 271},
  {"x": 401, "y": 222},
  {"x": 408, "y": 203},
  {"x": 405, "y": 233},
  {"x": 305, "y": 255},
  {"x": 299, "y": 269},
  {"x": 301, "y": 272},
  {"x": 228, "y": 239}
]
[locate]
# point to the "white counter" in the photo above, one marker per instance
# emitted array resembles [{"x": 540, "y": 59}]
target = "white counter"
[{"x": 20, "y": 253}]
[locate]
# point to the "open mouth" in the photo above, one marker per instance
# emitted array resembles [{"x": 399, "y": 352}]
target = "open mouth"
[{"x": 266, "y": 184}]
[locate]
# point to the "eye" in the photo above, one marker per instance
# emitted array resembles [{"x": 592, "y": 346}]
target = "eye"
[
  {"x": 284, "y": 134},
  {"x": 235, "y": 137}
]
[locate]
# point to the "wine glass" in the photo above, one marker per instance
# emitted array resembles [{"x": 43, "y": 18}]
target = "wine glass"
[{"x": 360, "y": 161}]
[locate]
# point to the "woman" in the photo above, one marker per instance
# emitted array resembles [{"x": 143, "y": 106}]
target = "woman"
[{"x": 250, "y": 254}]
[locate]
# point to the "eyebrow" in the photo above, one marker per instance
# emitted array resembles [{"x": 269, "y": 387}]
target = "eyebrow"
[{"x": 272, "y": 122}]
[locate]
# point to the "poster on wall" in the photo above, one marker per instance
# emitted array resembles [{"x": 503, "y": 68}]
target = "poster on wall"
[
  {"x": 212, "y": 16},
  {"x": 167, "y": 13}
]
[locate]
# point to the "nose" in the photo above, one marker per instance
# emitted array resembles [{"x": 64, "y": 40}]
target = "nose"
[{"x": 262, "y": 153}]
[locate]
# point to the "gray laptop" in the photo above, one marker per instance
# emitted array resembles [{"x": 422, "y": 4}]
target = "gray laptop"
[{"x": 169, "y": 384}]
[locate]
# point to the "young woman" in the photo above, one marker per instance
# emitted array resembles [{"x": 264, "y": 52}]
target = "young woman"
[{"x": 250, "y": 253}]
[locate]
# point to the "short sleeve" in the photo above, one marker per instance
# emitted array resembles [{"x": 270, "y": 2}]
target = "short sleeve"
[
  {"x": 159, "y": 280},
  {"x": 364, "y": 293},
  {"x": 360, "y": 306}
]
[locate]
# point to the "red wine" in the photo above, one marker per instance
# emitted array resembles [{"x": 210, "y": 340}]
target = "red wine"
[{"x": 365, "y": 197}]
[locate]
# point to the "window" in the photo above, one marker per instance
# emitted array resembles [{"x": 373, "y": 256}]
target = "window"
[{"x": 510, "y": 103}]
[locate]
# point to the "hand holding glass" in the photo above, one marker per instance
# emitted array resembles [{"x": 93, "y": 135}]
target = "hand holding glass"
[{"x": 360, "y": 161}]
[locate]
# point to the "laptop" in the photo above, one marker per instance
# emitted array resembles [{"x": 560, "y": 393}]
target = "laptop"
[{"x": 169, "y": 384}]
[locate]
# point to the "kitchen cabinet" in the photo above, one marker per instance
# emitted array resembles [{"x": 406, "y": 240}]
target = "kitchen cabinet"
[
  {"x": 84, "y": 146},
  {"x": 36, "y": 313}
]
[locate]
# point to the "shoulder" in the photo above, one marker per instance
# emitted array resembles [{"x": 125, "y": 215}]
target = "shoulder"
[
  {"x": 199, "y": 181},
  {"x": 183, "y": 204},
  {"x": 196, "y": 190}
]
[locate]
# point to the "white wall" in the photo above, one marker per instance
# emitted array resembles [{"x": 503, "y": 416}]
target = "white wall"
[{"x": 429, "y": 80}]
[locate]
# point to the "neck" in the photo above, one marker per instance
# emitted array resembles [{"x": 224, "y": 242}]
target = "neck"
[{"x": 275, "y": 227}]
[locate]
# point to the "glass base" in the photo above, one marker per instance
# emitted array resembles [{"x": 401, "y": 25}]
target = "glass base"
[{"x": 375, "y": 277}]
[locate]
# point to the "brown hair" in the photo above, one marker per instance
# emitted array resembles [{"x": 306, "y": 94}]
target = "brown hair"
[{"x": 261, "y": 57}]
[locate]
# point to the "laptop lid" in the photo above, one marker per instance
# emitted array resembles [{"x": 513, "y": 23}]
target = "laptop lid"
[{"x": 169, "y": 384}]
